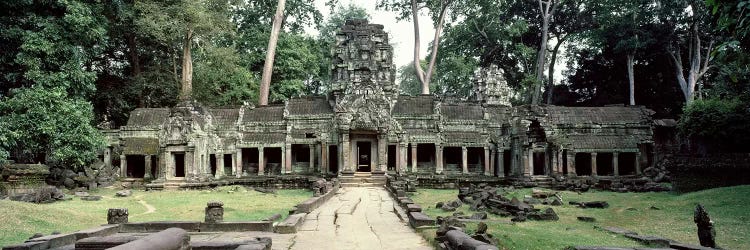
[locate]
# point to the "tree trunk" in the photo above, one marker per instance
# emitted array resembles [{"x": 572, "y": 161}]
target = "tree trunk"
[
  {"x": 135, "y": 63},
  {"x": 551, "y": 72},
  {"x": 265, "y": 82},
  {"x": 435, "y": 46},
  {"x": 187, "y": 67},
  {"x": 631, "y": 78},
  {"x": 417, "y": 56},
  {"x": 547, "y": 9},
  {"x": 697, "y": 66}
]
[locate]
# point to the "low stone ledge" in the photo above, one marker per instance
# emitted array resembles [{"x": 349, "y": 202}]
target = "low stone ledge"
[
  {"x": 683, "y": 246},
  {"x": 291, "y": 224},
  {"x": 56, "y": 240},
  {"x": 311, "y": 204},
  {"x": 104, "y": 242},
  {"x": 418, "y": 219},
  {"x": 35, "y": 245},
  {"x": 156, "y": 226},
  {"x": 239, "y": 226},
  {"x": 650, "y": 240},
  {"x": 413, "y": 208},
  {"x": 169, "y": 239},
  {"x": 214, "y": 245},
  {"x": 97, "y": 231}
]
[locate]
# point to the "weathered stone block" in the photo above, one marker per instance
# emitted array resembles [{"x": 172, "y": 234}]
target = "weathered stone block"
[
  {"x": 214, "y": 212},
  {"x": 418, "y": 219},
  {"x": 291, "y": 224},
  {"x": 117, "y": 215}
]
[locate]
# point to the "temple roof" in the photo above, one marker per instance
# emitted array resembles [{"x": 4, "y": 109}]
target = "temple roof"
[
  {"x": 314, "y": 105},
  {"x": 597, "y": 115},
  {"x": 420, "y": 105},
  {"x": 603, "y": 142},
  {"x": 462, "y": 111},
  {"x": 263, "y": 137},
  {"x": 264, "y": 114},
  {"x": 148, "y": 117},
  {"x": 140, "y": 146},
  {"x": 463, "y": 137},
  {"x": 225, "y": 118}
]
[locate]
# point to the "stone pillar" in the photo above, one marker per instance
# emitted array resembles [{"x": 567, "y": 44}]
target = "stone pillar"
[
  {"x": 323, "y": 158},
  {"x": 492, "y": 161},
  {"x": 500, "y": 159},
  {"x": 312, "y": 158},
  {"x": 638, "y": 163},
  {"x": 214, "y": 212},
  {"x": 439, "y": 159},
  {"x": 487, "y": 161},
  {"x": 382, "y": 153},
  {"x": 414, "y": 157},
  {"x": 571, "y": 157},
  {"x": 560, "y": 161},
  {"x": 123, "y": 166},
  {"x": 287, "y": 155},
  {"x": 189, "y": 163},
  {"x": 219, "y": 165},
  {"x": 117, "y": 215},
  {"x": 108, "y": 156},
  {"x": 404, "y": 152},
  {"x": 147, "y": 167},
  {"x": 530, "y": 163},
  {"x": 345, "y": 163},
  {"x": 238, "y": 163},
  {"x": 464, "y": 160},
  {"x": 261, "y": 160},
  {"x": 164, "y": 159},
  {"x": 593, "y": 164},
  {"x": 616, "y": 163},
  {"x": 553, "y": 166}
]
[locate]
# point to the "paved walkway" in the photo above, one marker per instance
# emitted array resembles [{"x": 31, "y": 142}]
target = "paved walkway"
[{"x": 356, "y": 218}]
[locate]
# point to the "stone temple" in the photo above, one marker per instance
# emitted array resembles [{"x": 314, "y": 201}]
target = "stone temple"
[{"x": 364, "y": 125}]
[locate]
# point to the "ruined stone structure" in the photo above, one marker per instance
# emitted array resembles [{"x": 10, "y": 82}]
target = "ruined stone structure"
[{"x": 364, "y": 125}]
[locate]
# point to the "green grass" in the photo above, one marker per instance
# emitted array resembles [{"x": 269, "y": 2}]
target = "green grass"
[
  {"x": 19, "y": 220},
  {"x": 726, "y": 206}
]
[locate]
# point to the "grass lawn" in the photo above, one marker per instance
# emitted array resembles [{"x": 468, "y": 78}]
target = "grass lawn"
[
  {"x": 674, "y": 219},
  {"x": 19, "y": 220}
]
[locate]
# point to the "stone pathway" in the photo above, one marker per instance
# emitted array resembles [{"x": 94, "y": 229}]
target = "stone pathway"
[{"x": 356, "y": 218}]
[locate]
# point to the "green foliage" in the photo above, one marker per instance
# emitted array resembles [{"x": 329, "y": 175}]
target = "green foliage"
[
  {"x": 221, "y": 80},
  {"x": 41, "y": 120},
  {"x": 719, "y": 123}
]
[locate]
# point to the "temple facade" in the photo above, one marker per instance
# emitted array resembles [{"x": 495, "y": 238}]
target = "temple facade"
[{"x": 364, "y": 125}]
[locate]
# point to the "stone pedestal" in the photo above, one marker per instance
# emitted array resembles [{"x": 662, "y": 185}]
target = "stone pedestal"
[
  {"x": 117, "y": 215},
  {"x": 214, "y": 212}
]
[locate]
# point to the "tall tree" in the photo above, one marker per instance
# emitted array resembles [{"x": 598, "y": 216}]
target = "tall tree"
[
  {"x": 547, "y": 10},
  {"x": 437, "y": 9},
  {"x": 265, "y": 82},
  {"x": 573, "y": 18}
]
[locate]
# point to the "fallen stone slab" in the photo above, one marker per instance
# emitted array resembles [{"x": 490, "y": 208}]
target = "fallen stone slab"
[
  {"x": 56, "y": 240},
  {"x": 169, "y": 239},
  {"x": 413, "y": 208},
  {"x": 291, "y": 224},
  {"x": 97, "y": 231},
  {"x": 586, "y": 219},
  {"x": 237, "y": 226},
  {"x": 650, "y": 240},
  {"x": 418, "y": 219},
  {"x": 104, "y": 242},
  {"x": 34, "y": 245},
  {"x": 457, "y": 239},
  {"x": 91, "y": 198},
  {"x": 124, "y": 193},
  {"x": 684, "y": 246},
  {"x": 156, "y": 226},
  {"x": 616, "y": 230}
]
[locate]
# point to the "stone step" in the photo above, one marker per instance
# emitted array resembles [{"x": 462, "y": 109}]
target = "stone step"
[
  {"x": 362, "y": 180},
  {"x": 362, "y": 185}
]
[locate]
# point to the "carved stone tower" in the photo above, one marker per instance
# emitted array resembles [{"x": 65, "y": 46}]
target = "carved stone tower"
[{"x": 490, "y": 86}]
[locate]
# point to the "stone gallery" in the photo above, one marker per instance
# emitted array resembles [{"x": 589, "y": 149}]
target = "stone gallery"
[{"x": 364, "y": 125}]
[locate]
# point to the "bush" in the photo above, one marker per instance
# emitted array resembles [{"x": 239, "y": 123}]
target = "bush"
[{"x": 718, "y": 124}]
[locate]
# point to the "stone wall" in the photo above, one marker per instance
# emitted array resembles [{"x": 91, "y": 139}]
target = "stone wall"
[{"x": 692, "y": 173}]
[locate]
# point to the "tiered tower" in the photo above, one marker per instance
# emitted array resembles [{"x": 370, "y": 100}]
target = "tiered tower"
[{"x": 490, "y": 86}]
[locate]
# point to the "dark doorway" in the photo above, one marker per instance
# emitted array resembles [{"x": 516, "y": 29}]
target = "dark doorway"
[
  {"x": 626, "y": 163},
  {"x": 179, "y": 164},
  {"x": 273, "y": 156},
  {"x": 212, "y": 163},
  {"x": 333, "y": 159},
  {"x": 364, "y": 155},
  {"x": 250, "y": 160},
  {"x": 408, "y": 157},
  {"x": 154, "y": 167},
  {"x": 604, "y": 164},
  {"x": 227, "y": 164},
  {"x": 391, "y": 157},
  {"x": 136, "y": 167},
  {"x": 506, "y": 162},
  {"x": 452, "y": 158},
  {"x": 583, "y": 164},
  {"x": 475, "y": 159},
  {"x": 540, "y": 163},
  {"x": 565, "y": 161}
]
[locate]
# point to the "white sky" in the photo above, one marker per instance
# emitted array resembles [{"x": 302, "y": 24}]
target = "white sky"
[{"x": 401, "y": 33}]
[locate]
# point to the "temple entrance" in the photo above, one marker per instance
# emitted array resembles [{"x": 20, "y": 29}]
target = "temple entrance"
[
  {"x": 179, "y": 164},
  {"x": 364, "y": 156}
]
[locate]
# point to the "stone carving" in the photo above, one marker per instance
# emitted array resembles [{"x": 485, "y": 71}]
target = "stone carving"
[
  {"x": 117, "y": 215},
  {"x": 214, "y": 212},
  {"x": 490, "y": 86},
  {"x": 706, "y": 233}
]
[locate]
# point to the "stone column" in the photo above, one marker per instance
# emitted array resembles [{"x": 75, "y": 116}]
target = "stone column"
[
  {"x": 147, "y": 167},
  {"x": 311, "y": 168},
  {"x": 404, "y": 152},
  {"x": 414, "y": 157},
  {"x": 382, "y": 153},
  {"x": 238, "y": 163},
  {"x": 164, "y": 159},
  {"x": 530, "y": 163},
  {"x": 261, "y": 160},
  {"x": 554, "y": 162},
  {"x": 492, "y": 161},
  {"x": 323, "y": 158},
  {"x": 346, "y": 165},
  {"x": 439, "y": 159},
  {"x": 616, "y": 163},
  {"x": 571, "y": 157},
  {"x": 560, "y": 161},
  {"x": 123, "y": 166},
  {"x": 464, "y": 160},
  {"x": 638, "y": 163},
  {"x": 287, "y": 169},
  {"x": 500, "y": 159},
  {"x": 108, "y": 156},
  {"x": 189, "y": 163},
  {"x": 593, "y": 164},
  {"x": 219, "y": 165},
  {"x": 487, "y": 161}
]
